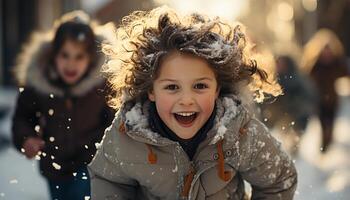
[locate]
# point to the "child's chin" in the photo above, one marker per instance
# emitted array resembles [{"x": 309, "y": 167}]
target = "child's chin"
[
  {"x": 186, "y": 134},
  {"x": 70, "y": 81}
]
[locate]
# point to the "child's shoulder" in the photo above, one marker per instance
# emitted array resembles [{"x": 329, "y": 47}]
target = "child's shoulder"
[
  {"x": 239, "y": 123},
  {"x": 117, "y": 142}
]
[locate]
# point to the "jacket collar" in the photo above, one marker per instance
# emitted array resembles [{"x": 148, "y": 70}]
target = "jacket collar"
[{"x": 135, "y": 117}]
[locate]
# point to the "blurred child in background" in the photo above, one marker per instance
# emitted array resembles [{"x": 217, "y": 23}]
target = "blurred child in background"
[
  {"x": 324, "y": 61},
  {"x": 290, "y": 112},
  {"x": 61, "y": 111}
]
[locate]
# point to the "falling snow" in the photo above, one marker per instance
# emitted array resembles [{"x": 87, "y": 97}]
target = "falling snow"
[
  {"x": 51, "y": 112},
  {"x": 37, "y": 128},
  {"x": 56, "y": 166}
]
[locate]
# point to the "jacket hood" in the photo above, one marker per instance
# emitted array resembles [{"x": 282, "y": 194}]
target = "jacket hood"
[
  {"x": 135, "y": 118},
  {"x": 31, "y": 62}
]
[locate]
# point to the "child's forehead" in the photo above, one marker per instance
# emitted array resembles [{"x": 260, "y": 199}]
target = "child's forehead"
[
  {"x": 184, "y": 66},
  {"x": 177, "y": 57},
  {"x": 70, "y": 44}
]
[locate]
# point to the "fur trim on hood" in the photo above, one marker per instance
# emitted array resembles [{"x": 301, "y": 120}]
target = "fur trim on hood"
[
  {"x": 136, "y": 121},
  {"x": 33, "y": 58}
]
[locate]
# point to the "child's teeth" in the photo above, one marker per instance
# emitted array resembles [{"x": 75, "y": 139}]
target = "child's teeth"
[{"x": 186, "y": 114}]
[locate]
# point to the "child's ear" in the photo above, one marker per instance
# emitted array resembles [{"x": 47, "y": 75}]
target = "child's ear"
[
  {"x": 151, "y": 95},
  {"x": 217, "y": 93}
]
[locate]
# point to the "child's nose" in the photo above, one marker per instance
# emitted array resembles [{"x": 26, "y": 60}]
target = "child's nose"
[
  {"x": 71, "y": 63},
  {"x": 187, "y": 99}
]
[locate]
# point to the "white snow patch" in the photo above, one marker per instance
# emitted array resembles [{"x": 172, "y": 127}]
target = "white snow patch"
[
  {"x": 98, "y": 145},
  {"x": 13, "y": 181},
  {"x": 139, "y": 122},
  {"x": 288, "y": 183},
  {"x": 175, "y": 169},
  {"x": 278, "y": 159},
  {"x": 266, "y": 156},
  {"x": 231, "y": 111},
  {"x": 261, "y": 144},
  {"x": 272, "y": 176}
]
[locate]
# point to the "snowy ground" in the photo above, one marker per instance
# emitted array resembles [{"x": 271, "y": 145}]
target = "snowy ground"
[
  {"x": 321, "y": 177},
  {"x": 325, "y": 176}
]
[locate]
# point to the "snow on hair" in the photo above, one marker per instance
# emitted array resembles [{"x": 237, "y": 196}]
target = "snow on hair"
[{"x": 144, "y": 38}]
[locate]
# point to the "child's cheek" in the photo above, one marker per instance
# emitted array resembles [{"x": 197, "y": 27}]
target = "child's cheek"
[
  {"x": 207, "y": 103},
  {"x": 165, "y": 104}
]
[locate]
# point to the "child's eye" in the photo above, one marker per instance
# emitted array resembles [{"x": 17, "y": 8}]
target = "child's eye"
[
  {"x": 64, "y": 55},
  {"x": 80, "y": 57},
  {"x": 171, "y": 87},
  {"x": 200, "y": 86}
]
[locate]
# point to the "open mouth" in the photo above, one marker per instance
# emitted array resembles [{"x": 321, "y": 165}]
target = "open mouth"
[
  {"x": 70, "y": 73},
  {"x": 185, "y": 118}
]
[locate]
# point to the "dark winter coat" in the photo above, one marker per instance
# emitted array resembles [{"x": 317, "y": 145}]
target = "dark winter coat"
[
  {"x": 325, "y": 76},
  {"x": 134, "y": 162},
  {"x": 69, "y": 119}
]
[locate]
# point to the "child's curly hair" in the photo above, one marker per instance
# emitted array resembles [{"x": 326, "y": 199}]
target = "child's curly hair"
[{"x": 146, "y": 37}]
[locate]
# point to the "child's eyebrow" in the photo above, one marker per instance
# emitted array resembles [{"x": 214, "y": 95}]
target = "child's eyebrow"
[
  {"x": 204, "y": 78},
  {"x": 167, "y": 79},
  {"x": 198, "y": 79}
]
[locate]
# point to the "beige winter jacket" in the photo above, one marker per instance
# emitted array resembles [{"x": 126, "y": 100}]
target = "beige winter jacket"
[{"x": 132, "y": 162}]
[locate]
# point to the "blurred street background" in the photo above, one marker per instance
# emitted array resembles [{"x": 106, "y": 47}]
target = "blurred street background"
[{"x": 278, "y": 27}]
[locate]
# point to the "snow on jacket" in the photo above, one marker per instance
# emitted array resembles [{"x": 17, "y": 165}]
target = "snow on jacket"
[{"x": 132, "y": 162}]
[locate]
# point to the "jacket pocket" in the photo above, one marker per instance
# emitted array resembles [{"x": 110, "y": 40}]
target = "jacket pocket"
[{"x": 211, "y": 181}]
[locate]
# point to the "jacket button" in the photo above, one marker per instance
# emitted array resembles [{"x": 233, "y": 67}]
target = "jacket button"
[
  {"x": 215, "y": 156},
  {"x": 228, "y": 153}
]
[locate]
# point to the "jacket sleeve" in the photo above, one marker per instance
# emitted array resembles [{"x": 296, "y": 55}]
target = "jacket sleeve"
[
  {"x": 108, "y": 181},
  {"x": 25, "y": 118},
  {"x": 87, "y": 143},
  {"x": 265, "y": 166}
]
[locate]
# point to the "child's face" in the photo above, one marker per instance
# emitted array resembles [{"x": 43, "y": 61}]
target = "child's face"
[
  {"x": 72, "y": 62},
  {"x": 184, "y": 93}
]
